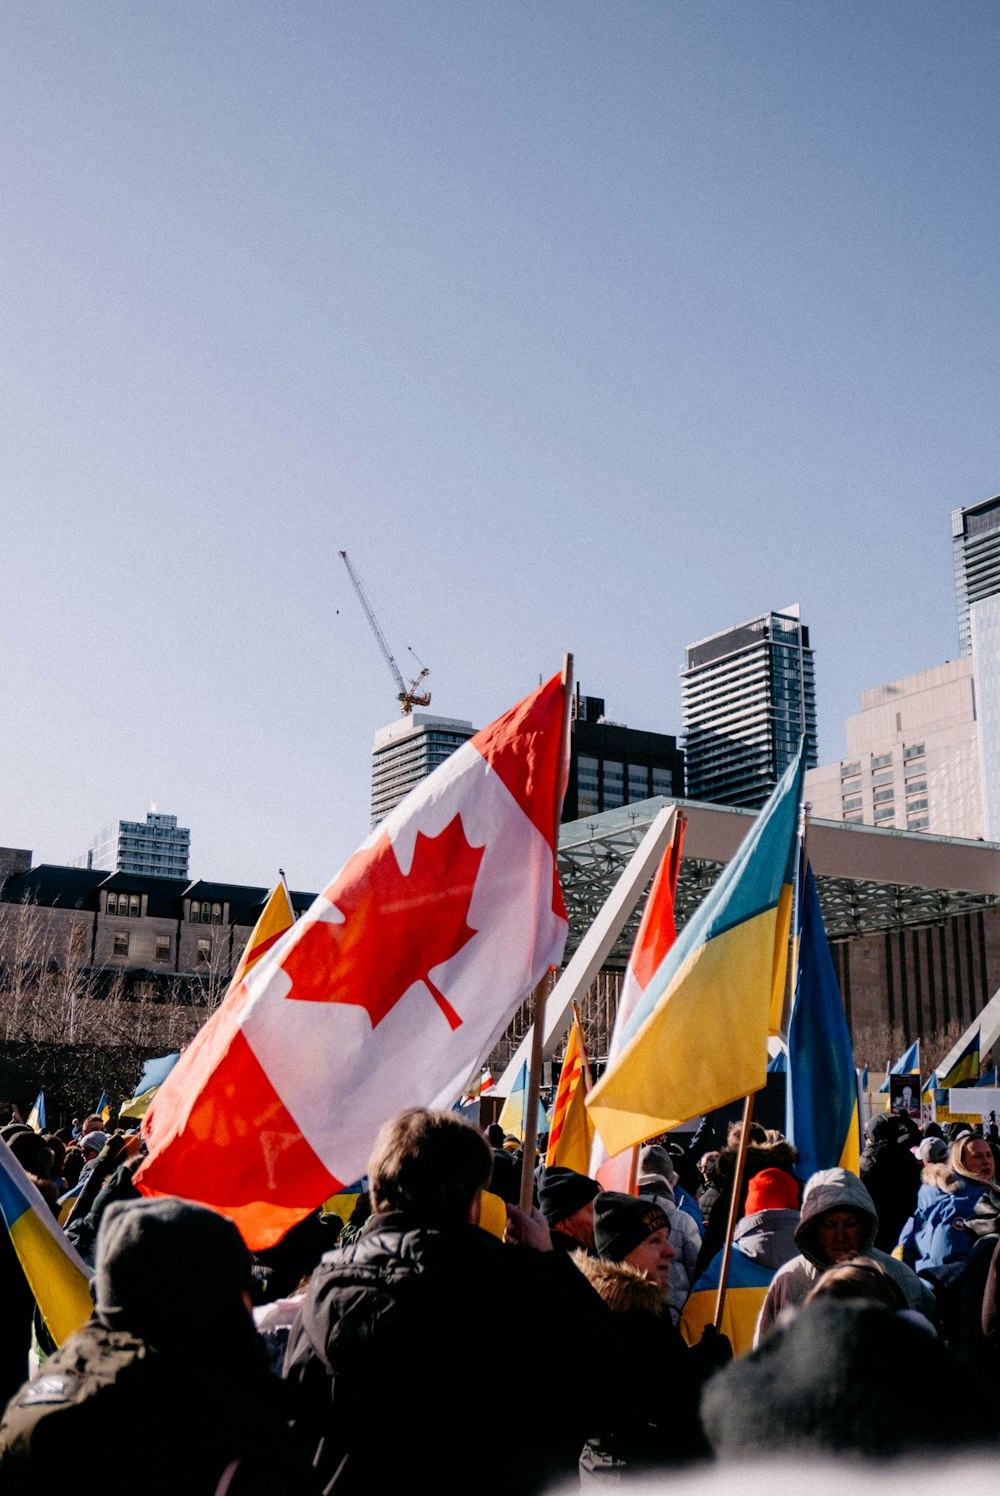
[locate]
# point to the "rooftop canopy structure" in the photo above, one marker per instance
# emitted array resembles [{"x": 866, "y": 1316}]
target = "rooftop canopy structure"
[{"x": 869, "y": 879}]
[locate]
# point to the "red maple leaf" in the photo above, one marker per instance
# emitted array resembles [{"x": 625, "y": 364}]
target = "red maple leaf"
[{"x": 397, "y": 927}]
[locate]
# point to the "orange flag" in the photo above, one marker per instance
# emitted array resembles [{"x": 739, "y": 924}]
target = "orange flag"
[{"x": 572, "y": 1132}]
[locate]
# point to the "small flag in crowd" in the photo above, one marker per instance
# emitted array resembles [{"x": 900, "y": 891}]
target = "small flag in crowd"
[
  {"x": 36, "y": 1117},
  {"x": 656, "y": 934},
  {"x": 481, "y": 1086},
  {"x": 698, "y": 1037},
  {"x": 907, "y": 1064},
  {"x": 822, "y": 1084},
  {"x": 511, "y": 1117},
  {"x": 154, "y": 1073},
  {"x": 571, "y": 1131},
  {"x": 56, "y": 1275},
  {"x": 385, "y": 994}
]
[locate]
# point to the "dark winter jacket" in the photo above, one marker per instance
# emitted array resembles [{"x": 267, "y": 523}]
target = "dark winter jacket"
[
  {"x": 163, "y": 1422},
  {"x": 658, "y": 1427},
  {"x": 378, "y": 1359},
  {"x": 891, "y": 1175}
]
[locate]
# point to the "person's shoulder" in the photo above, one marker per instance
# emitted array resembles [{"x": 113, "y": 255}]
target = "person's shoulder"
[{"x": 95, "y": 1367}]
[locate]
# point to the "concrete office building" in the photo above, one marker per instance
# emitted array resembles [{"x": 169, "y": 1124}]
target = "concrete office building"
[
  {"x": 406, "y": 751},
  {"x": 913, "y": 758},
  {"x": 749, "y": 694},
  {"x": 984, "y": 620},
  {"x": 613, "y": 765},
  {"x": 154, "y": 848},
  {"x": 975, "y": 538}
]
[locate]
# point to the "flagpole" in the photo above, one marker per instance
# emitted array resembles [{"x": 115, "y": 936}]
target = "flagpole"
[
  {"x": 541, "y": 991},
  {"x": 734, "y": 1208}
]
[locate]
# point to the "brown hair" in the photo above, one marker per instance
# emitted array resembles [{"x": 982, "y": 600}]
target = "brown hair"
[
  {"x": 428, "y": 1164},
  {"x": 858, "y": 1278}
]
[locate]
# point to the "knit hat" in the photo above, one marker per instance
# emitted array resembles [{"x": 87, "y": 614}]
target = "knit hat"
[
  {"x": 562, "y": 1192},
  {"x": 93, "y": 1142},
  {"x": 623, "y": 1222},
  {"x": 654, "y": 1159},
  {"x": 772, "y": 1189},
  {"x": 162, "y": 1264}
]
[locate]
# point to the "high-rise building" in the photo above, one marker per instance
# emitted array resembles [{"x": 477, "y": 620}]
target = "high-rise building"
[
  {"x": 612, "y": 765},
  {"x": 749, "y": 694},
  {"x": 407, "y": 751},
  {"x": 156, "y": 847},
  {"x": 913, "y": 757},
  {"x": 975, "y": 538}
]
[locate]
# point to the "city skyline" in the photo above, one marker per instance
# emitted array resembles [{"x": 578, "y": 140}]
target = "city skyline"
[{"x": 594, "y": 330}]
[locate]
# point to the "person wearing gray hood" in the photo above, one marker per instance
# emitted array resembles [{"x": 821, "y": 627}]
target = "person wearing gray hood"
[
  {"x": 838, "y": 1221},
  {"x": 656, "y": 1182}
]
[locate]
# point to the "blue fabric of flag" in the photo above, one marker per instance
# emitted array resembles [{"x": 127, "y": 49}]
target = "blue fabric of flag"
[{"x": 822, "y": 1084}]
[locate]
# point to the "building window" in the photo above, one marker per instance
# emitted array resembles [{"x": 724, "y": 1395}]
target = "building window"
[
  {"x": 663, "y": 782},
  {"x": 217, "y": 914},
  {"x": 884, "y": 812},
  {"x": 917, "y": 751},
  {"x": 912, "y": 770},
  {"x": 204, "y": 951},
  {"x": 163, "y": 947},
  {"x": 916, "y": 805},
  {"x": 851, "y": 787},
  {"x": 913, "y": 787},
  {"x": 855, "y": 820},
  {"x": 918, "y": 824},
  {"x": 638, "y": 782},
  {"x": 882, "y": 778},
  {"x": 846, "y": 770},
  {"x": 854, "y": 804},
  {"x": 880, "y": 796},
  {"x": 134, "y": 905},
  {"x": 121, "y": 943},
  {"x": 882, "y": 761}
]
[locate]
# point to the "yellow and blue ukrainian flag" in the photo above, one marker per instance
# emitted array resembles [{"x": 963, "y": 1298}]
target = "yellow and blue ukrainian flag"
[
  {"x": 36, "y": 1117},
  {"x": 822, "y": 1118},
  {"x": 907, "y": 1064},
  {"x": 965, "y": 1068},
  {"x": 154, "y": 1073},
  {"x": 697, "y": 1038},
  {"x": 56, "y": 1275}
]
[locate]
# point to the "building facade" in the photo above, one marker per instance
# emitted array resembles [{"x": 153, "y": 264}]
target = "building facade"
[
  {"x": 749, "y": 694},
  {"x": 613, "y": 765},
  {"x": 913, "y": 759},
  {"x": 975, "y": 538},
  {"x": 406, "y": 751},
  {"x": 154, "y": 848}
]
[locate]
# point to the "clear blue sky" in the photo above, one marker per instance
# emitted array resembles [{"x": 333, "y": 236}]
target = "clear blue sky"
[{"x": 580, "y": 326}]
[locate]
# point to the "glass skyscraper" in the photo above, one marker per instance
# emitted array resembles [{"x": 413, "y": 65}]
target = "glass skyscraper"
[
  {"x": 975, "y": 538},
  {"x": 749, "y": 694}
]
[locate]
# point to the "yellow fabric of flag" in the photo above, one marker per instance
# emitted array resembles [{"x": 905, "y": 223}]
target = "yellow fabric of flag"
[{"x": 572, "y": 1132}]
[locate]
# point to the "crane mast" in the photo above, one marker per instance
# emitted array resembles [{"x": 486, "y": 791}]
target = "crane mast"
[{"x": 408, "y": 696}]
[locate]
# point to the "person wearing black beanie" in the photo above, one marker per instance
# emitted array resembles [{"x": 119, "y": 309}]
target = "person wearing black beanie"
[{"x": 171, "y": 1330}]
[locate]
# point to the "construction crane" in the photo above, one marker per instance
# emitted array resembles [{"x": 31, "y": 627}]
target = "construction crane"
[{"x": 408, "y": 696}]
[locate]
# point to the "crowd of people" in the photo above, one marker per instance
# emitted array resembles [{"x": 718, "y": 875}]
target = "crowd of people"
[{"x": 383, "y": 1348}]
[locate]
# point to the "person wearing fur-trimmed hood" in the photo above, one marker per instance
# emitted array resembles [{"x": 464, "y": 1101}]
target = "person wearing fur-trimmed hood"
[
  {"x": 837, "y": 1221},
  {"x": 934, "y": 1240}
]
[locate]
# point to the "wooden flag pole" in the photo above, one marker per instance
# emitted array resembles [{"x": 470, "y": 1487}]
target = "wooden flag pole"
[
  {"x": 530, "y": 1125},
  {"x": 734, "y": 1209}
]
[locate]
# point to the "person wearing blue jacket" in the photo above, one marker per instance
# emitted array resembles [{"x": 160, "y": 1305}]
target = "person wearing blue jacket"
[{"x": 934, "y": 1241}]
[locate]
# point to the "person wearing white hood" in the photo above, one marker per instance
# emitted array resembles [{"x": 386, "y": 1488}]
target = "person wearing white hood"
[{"x": 838, "y": 1221}]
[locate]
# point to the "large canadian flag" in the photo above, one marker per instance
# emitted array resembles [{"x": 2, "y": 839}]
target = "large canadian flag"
[{"x": 386, "y": 994}]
